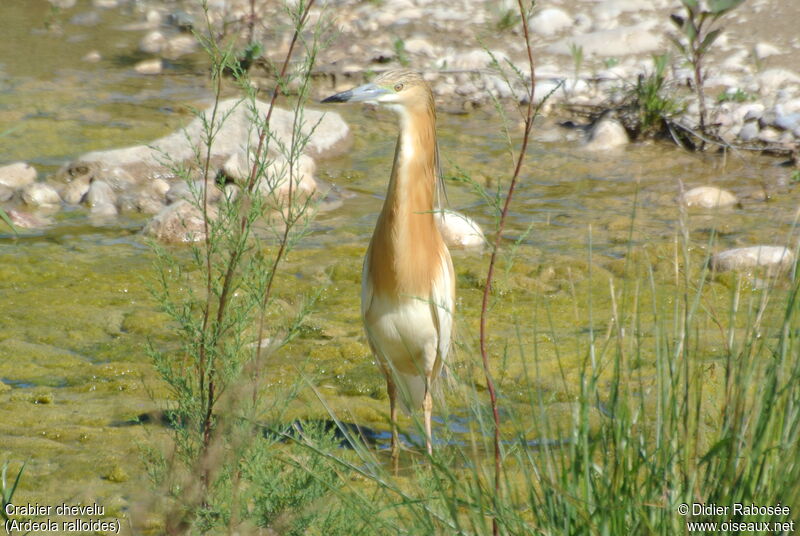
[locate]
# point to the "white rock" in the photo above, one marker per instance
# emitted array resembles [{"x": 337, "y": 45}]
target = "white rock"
[
  {"x": 771, "y": 257},
  {"x": 605, "y": 135},
  {"x": 582, "y": 24},
  {"x": 17, "y": 175},
  {"x": 180, "y": 46},
  {"x": 40, "y": 194},
  {"x": 458, "y": 230},
  {"x": 421, "y": 46},
  {"x": 772, "y": 80},
  {"x": 180, "y": 222},
  {"x": 769, "y": 135},
  {"x": 275, "y": 181},
  {"x": 765, "y": 50},
  {"x": 6, "y": 193},
  {"x": 153, "y": 43},
  {"x": 472, "y": 60},
  {"x": 621, "y": 41},
  {"x": 708, "y": 197},
  {"x": 154, "y": 66},
  {"x": 160, "y": 187},
  {"x": 736, "y": 61},
  {"x": 101, "y": 198},
  {"x": 328, "y": 134},
  {"x": 550, "y": 21}
]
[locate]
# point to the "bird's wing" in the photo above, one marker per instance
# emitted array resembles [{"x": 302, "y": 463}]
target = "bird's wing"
[{"x": 442, "y": 307}]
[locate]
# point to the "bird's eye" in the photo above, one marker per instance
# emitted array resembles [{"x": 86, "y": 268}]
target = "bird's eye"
[{"x": 398, "y": 87}]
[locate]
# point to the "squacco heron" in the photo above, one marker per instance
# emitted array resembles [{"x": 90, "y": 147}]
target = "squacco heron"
[{"x": 408, "y": 284}]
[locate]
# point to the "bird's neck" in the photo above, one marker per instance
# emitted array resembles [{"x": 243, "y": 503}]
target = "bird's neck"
[
  {"x": 406, "y": 249},
  {"x": 413, "y": 181}
]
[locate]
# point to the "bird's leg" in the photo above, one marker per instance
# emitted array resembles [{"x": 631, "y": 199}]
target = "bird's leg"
[
  {"x": 395, "y": 445},
  {"x": 427, "y": 409}
]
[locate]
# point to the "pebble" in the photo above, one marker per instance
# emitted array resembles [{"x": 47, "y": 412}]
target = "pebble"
[
  {"x": 709, "y": 197},
  {"x": 17, "y": 175},
  {"x": 154, "y": 66},
  {"x": 605, "y": 135},
  {"x": 771, "y": 257},
  {"x": 458, "y": 230},
  {"x": 40, "y": 194},
  {"x": 93, "y": 56}
]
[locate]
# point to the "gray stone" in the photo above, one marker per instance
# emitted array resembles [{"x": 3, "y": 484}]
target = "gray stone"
[
  {"x": 708, "y": 197},
  {"x": 775, "y": 258},
  {"x": 17, "y": 175},
  {"x": 749, "y": 131},
  {"x": 788, "y": 121}
]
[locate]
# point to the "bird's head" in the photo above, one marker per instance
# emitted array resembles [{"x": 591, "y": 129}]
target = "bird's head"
[{"x": 397, "y": 89}]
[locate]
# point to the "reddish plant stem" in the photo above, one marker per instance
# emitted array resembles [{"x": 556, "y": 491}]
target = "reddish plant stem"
[
  {"x": 529, "y": 116},
  {"x": 285, "y": 238}
]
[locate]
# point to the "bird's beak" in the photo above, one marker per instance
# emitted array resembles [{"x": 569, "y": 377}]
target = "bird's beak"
[{"x": 365, "y": 93}]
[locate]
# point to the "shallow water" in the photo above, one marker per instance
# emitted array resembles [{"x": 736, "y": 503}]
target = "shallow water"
[{"x": 75, "y": 312}]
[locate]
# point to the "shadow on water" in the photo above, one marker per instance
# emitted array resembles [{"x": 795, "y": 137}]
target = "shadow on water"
[{"x": 350, "y": 435}]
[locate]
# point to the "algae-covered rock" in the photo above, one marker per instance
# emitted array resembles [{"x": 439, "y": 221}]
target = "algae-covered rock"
[{"x": 180, "y": 222}]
